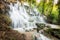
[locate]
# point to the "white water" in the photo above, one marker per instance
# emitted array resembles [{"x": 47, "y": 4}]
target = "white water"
[
  {"x": 42, "y": 37},
  {"x": 22, "y": 20}
]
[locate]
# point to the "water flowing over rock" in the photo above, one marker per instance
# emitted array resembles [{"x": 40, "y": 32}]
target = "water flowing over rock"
[{"x": 23, "y": 17}]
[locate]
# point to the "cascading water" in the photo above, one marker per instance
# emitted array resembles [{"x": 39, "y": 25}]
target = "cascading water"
[{"x": 22, "y": 18}]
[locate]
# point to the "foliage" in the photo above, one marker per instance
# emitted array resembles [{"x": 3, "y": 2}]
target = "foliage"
[{"x": 50, "y": 9}]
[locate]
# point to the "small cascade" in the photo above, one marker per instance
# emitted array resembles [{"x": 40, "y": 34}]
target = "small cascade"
[
  {"x": 24, "y": 18},
  {"x": 42, "y": 37},
  {"x": 21, "y": 18}
]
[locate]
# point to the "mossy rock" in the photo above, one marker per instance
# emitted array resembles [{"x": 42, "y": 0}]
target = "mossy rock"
[
  {"x": 5, "y": 22},
  {"x": 4, "y": 19},
  {"x": 40, "y": 25}
]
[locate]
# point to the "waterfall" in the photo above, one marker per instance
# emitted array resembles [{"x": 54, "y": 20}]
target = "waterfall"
[{"x": 23, "y": 17}]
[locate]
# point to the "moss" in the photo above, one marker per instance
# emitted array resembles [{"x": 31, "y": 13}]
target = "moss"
[
  {"x": 40, "y": 26},
  {"x": 5, "y": 19},
  {"x": 5, "y": 22}
]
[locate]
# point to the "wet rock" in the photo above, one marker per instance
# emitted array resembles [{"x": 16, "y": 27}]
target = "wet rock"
[
  {"x": 54, "y": 32},
  {"x": 40, "y": 26}
]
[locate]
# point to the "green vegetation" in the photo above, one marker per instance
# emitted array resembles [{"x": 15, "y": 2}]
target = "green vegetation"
[
  {"x": 46, "y": 7},
  {"x": 50, "y": 8}
]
